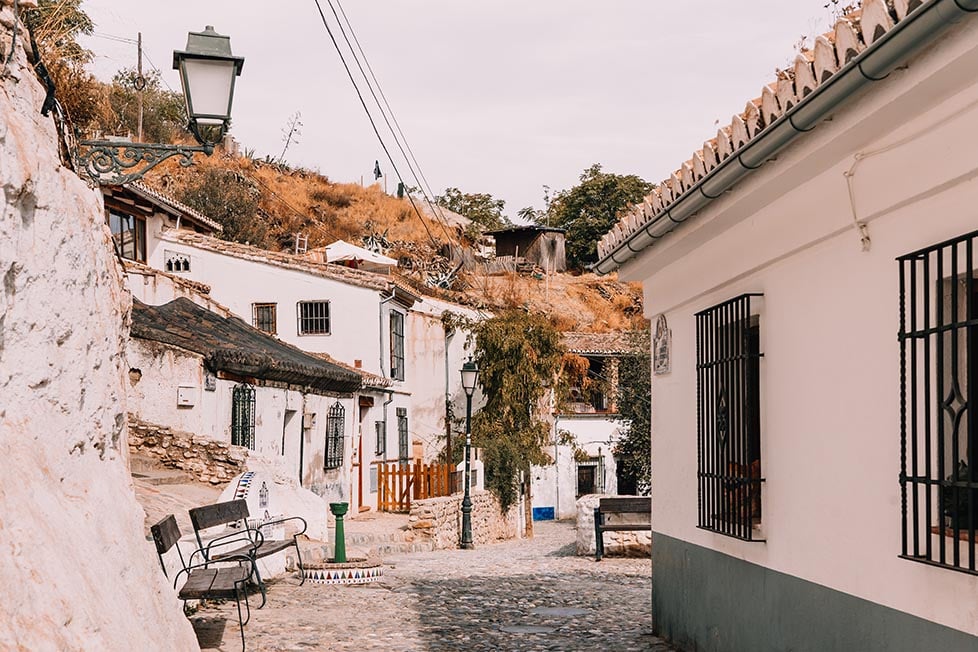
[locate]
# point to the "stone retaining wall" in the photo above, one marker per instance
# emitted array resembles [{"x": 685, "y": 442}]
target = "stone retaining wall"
[
  {"x": 206, "y": 459},
  {"x": 439, "y": 520},
  {"x": 627, "y": 544}
]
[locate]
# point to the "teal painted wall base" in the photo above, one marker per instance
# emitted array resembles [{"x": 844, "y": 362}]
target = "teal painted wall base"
[{"x": 705, "y": 601}]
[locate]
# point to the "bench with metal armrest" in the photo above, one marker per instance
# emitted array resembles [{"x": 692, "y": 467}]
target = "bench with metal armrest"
[
  {"x": 203, "y": 581},
  {"x": 244, "y": 540}
]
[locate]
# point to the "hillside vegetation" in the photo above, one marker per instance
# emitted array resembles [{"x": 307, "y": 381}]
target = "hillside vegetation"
[{"x": 267, "y": 204}]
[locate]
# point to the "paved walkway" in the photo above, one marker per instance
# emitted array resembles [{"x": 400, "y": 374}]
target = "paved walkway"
[{"x": 517, "y": 595}]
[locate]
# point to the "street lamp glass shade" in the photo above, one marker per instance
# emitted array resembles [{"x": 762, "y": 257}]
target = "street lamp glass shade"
[
  {"x": 470, "y": 375},
  {"x": 207, "y": 73}
]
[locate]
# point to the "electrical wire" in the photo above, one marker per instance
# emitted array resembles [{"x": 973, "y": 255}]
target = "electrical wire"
[
  {"x": 396, "y": 130},
  {"x": 373, "y": 123}
]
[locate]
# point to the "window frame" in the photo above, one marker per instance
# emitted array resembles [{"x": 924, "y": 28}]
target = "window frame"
[
  {"x": 256, "y": 322},
  {"x": 938, "y": 339},
  {"x": 380, "y": 429},
  {"x": 301, "y": 320},
  {"x": 403, "y": 445},
  {"x": 139, "y": 237},
  {"x": 729, "y": 434},
  {"x": 397, "y": 344},
  {"x": 243, "y": 408},
  {"x": 333, "y": 452}
]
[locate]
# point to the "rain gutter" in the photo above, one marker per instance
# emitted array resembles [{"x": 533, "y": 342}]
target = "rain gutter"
[{"x": 916, "y": 30}]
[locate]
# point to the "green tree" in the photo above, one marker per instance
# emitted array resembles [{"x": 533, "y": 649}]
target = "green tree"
[
  {"x": 230, "y": 199},
  {"x": 591, "y": 208},
  {"x": 634, "y": 394},
  {"x": 481, "y": 208},
  {"x": 164, "y": 113},
  {"x": 519, "y": 356}
]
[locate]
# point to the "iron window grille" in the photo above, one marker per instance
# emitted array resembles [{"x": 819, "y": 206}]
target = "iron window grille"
[
  {"x": 402, "y": 436},
  {"x": 381, "y": 429},
  {"x": 938, "y": 386},
  {"x": 313, "y": 317},
  {"x": 397, "y": 346},
  {"x": 728, "y": 410},
  {"x": 243, "y": 416},
  {"x": 264, "y": 317},
  {"x": 335, "y": 422}
]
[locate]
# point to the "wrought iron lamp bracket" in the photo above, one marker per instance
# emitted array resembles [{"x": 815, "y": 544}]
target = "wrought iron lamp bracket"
[{"x": 121, "y": 162}]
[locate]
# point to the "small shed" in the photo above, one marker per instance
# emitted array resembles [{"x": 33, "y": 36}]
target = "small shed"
[{"x": 542, "y": 245}]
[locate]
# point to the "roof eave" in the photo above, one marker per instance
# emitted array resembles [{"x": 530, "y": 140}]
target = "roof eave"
[{"x": 873, "y": 64}]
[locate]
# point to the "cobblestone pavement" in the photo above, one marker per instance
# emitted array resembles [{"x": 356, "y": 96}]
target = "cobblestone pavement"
[{"x": 516, "y": 595}]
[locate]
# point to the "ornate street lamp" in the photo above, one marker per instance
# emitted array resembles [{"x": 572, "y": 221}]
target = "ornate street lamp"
[
  {"x": 470, "y": 376},
  {"x": 207, "y": 74}
]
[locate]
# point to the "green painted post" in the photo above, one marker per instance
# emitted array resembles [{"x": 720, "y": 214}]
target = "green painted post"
[{"x": 339, "y": 547}]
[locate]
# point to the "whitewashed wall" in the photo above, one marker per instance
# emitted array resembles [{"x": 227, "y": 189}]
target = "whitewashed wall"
[
  {"x": 830, "y": 373},
  {"x": 77, "y": 568},
  {"x": 237, "y": 283},
  {"x": 555, "y": 485}
]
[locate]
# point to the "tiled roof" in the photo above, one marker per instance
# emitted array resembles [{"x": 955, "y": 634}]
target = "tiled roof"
[
  {"x": 169, "y": 202},
  {"x": 831, "y": 52},
  {"x": 597, "y": 343},
  {"x": 369, "y": 380},
  {"x": 229, "y": 344},
  {"x": 277, "y": 259}
]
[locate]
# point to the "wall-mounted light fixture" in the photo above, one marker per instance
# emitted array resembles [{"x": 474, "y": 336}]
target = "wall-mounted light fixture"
[{"x": 207, "y": 74}]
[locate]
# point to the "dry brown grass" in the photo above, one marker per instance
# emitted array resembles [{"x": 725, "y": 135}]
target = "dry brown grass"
[{"x": 299, "y": 201}]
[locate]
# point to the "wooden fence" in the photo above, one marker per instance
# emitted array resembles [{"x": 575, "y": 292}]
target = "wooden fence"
[{"x": 399, "y": 484}]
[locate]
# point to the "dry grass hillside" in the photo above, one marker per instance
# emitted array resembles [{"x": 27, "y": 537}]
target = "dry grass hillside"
[{"x": 289, "y": 201}]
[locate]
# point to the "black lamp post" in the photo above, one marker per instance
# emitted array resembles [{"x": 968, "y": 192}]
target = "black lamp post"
[
  {"x": 470, "y": 375},
  {"x": 207, "y": 74}
]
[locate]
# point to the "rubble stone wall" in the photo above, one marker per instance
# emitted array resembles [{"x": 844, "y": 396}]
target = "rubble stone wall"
[
  {"x": 627, "y": 544},
  {"x": 439, "y": 520},
  {"x": 74, "y": 551},
  {"x": 204, "y": 458}
]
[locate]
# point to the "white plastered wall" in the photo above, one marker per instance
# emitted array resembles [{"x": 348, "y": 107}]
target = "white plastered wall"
[{"x": 830, "y": 430}]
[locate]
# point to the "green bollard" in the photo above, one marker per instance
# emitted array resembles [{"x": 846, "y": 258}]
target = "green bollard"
[{"x": 339, "y": 546}]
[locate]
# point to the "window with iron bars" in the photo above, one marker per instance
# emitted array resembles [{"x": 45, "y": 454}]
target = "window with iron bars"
[
  {"x": 264, "y": 317},
  {"x": 313, "y": 317},
  {"x": 728, "y": 430},
  {"x": 381, "y": 429},
  {"x": 243, "y": 416},
  {"x": 938, "y": 385},
  {"x": 397, "y": 345},
  {"x": 335, "y": 424},
  {"x": 403, "y": 455}
]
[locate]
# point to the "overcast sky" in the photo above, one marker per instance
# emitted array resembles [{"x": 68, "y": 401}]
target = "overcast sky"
[{"x": 497, "y": 96}]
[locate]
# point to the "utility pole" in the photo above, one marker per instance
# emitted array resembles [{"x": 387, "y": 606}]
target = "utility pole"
[{"x": 140, "y": 85}]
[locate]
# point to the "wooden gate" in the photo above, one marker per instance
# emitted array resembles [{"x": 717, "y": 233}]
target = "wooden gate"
[{"x": 398, "y": 485}]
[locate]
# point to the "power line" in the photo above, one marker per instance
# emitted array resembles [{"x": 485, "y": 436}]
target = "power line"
[
  {"x": 373, "y": 123},
  {"x": 418, "y": 175}
]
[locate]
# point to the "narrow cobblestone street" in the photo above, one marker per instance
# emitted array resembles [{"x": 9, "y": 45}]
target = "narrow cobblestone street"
[{"x": 517, "y": 595}]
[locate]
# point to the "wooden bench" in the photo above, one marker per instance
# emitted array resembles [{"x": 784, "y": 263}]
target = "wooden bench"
[
  {"x": 619, "y": 507},
  {"x": 244, "y": 540},
  {"x": 203, "y": 583}
]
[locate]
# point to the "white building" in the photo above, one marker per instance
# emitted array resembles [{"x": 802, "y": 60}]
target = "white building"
[
  {"x": 391, "y": 335},
  {"x": 585, "y": 431},
  {"x": 811, "y": 411},
  {"x": 197, "y": 371}
]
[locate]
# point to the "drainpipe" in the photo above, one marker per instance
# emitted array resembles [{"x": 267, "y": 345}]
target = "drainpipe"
[
  {"x": 448, "y": 404},
  {"x": 874, "y": 63},
  {"x": 302, "y": 434},
  {"x": 556, "y": 462}
]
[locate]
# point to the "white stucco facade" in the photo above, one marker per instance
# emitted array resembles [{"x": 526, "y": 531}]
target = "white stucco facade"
[
  {"x": 830, "y": 374},
  {"x": 558, "y": 485}
]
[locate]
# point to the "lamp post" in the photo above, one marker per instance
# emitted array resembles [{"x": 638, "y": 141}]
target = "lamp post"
[
  {"x": 470, "y": 375},
  {"x": 207, "y": 74}
]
